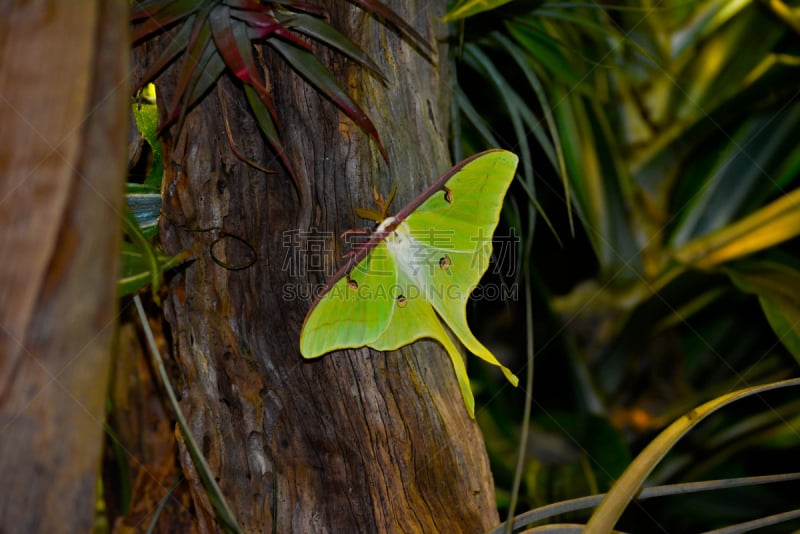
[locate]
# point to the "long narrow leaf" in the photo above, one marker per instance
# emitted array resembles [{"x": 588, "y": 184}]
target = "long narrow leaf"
[
  {"x": 194, "y": 72},
  {"x": 249, "y": 5},
  {"x": 199, "y": 53},
  {"x": 215, "y": 495},
  {"x": 321, "y": 31},
  {"x": 769, "y": 226},
  {"x": 135, "y": 271},
  {"x": 269, "y": 129},
  {"x": 468, "y": 8},
  {"x": 146, "y": 207},
  {"x": 305, "y": 63},
  {"x": 211, "y": 72},
  {"x": 538, "y": 89},
  {"x": 473, "y": 116},
  {"x": 140, "y": 242},
  {"x": 238, "y": 58},
  {"x": 741, "y": 170},
  {"x": 260, "y": 24},
  {"x": 777, "y": 287},
  {"x": 379, "y": 9},
  {"x": 176, "y": 45},
  {"x": 475, "y": 57},
  {"x": 159, "y": 8},
  {"x": 236, "y": 49},
  {"x": 629, "y": 484},
  {"x": 163, "y": 18},
  {"x": 586, "y": 503}
]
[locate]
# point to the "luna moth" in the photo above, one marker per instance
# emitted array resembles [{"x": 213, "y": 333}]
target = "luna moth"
[{"x": 416, "y": 271}]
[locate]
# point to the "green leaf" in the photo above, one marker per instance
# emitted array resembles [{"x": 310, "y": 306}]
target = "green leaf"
[
  {"x": 704, "y": 25},
  {"x": 524, "y": 122},
  {"x": 200, "y": 52},
  {"x": 146, "y": 117},
  {"x": 381, "y": 11},
  {"x": 208, "y": 67},
  {"x": 235, "y": 47},
  {"x": 469, "y": 8},
  {"x": 767, "y": 227},
  {"x": 176, "y": 45},
  {"x": 141, "y": 264},
  {"x": 551, "y": 55},
  {"x": 717, "y": 196},
  {"x": 136, "y": 269},
  {"x": 778, "y": 289},
  {"x": 718, "y": 66},
  {"x": 212, "y": 490},
  {"x": 538, "y": 89},
  {"x": 305, "y": 63},
  {"x": 159, "y": 15},
  {"x": 630, "y": 483},
  {"x": 267, "y": 126},
  {"x": 320, "y": 30}
]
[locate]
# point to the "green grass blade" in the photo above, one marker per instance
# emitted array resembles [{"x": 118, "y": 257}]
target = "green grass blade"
[
  {"x": 587, "y": 503},
  {"x": 215, "y": 495},
  {"x": 630, "y": 483}
]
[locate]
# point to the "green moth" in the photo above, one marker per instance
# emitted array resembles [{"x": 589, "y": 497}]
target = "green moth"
[{"x": 417, "y": 270}]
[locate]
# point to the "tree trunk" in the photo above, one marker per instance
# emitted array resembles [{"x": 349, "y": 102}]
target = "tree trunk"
[
  {"x": 356, "y": 441},
  {"x": 63, "y": 99}
]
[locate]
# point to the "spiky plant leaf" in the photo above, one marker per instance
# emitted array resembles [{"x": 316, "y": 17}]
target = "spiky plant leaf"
[
  {"x": 158, "y": 20},
  {"x": 222, "y": 35},
  {"x": 235, "y": 48},
  {"x": 177, "y": 44},
  {"x": 319, "y": 30},
  {"x": 305, "y": 63},
  {"x": 379, "y": 9},
  {"x": 267, "y": 125},
  {"x": 157, "y": 14}
]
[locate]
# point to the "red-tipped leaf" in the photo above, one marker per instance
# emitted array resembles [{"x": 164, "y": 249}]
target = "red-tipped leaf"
[
  {"x": 269, "y": 128},
  {"x": 176, "y": 45},
  {"x": 163, "y": 17},
  {"x": 378, "y": 8},
  {"x": 320, "y": 30},
  {"x": 305, "y": 63}
]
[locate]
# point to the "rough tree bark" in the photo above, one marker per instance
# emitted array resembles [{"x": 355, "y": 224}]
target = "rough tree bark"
[
  {"x": 63, "y": 97},
  {"x": 356, "y": 441}
]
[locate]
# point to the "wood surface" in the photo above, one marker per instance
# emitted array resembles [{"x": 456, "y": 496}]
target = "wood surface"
[{"x": 64, "y": 95}]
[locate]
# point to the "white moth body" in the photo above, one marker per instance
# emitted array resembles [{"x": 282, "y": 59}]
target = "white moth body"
[{"x": 404, "y": 249}]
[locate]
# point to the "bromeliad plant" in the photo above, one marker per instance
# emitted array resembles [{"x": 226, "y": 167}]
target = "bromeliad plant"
[
  {"x": 215, "y": 36},
  {"x": 219, "y": 35}
]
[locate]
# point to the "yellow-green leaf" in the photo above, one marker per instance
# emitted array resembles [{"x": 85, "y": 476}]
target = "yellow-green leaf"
[
  {"x": 773, "y": 224},
  {"x": 471, "y": 7},
  {"x": 777, "y": 287}
]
